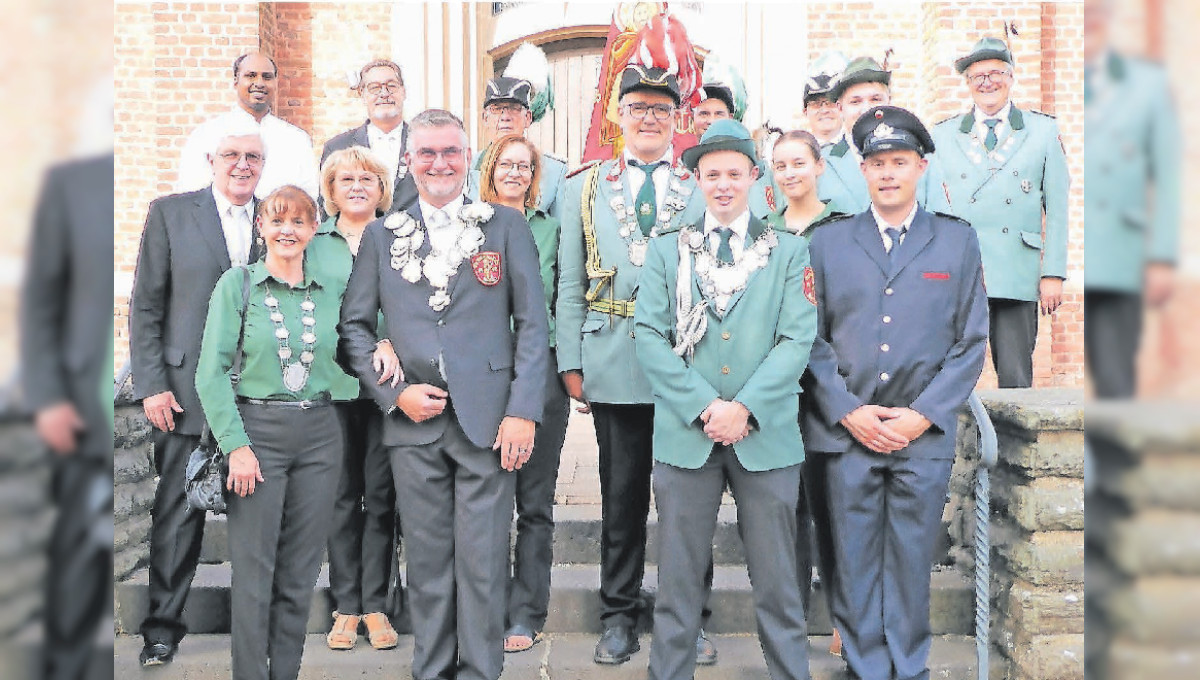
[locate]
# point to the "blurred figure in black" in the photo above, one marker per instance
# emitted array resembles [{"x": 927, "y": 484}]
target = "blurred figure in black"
[
  {"x": 65, "y": 309},
  {"x": 1132, "y": 204}
]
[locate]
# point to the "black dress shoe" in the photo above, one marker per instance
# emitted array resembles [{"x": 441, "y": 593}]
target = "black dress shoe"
[
  {"x": 156, "y": 654},
  {"x": 616, "y": 645},
  {"x": 706, "y": 651}
]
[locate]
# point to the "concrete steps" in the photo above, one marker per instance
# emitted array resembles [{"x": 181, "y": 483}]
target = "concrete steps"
[
  {"x": 206, "y": 657},
  {"x": 574, "y": 603}
]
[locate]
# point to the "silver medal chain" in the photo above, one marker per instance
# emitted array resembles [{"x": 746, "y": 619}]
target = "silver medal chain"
[{"x": 295, "y": 374}]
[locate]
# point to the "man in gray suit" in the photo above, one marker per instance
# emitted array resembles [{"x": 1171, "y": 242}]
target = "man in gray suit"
[
  {"x": 381, "y": 87},
  {"x": 188, "y": 241},
  {"x": 64, "y": 302},
  {"x": 460, "y": 289},
  {"x": 901, "y": 330}
]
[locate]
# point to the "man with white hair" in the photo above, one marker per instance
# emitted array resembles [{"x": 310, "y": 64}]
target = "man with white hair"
[
  {"x": 255, "y": 80},
  {"x": 189, "y": 240}
]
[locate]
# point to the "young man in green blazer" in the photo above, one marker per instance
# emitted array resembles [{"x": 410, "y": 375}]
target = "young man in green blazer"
[
  {"x": 1008, "y": 173},
  {"x": 724, "y": 324}
]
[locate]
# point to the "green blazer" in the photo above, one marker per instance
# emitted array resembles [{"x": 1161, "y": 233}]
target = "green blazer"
[
  {"x": 601, "y": 344},
  {"x": 1132, "y": 153},
  {"x": 754, "y": 354},
  {"x": 843, "y": 181},
  {"x": 1006, "y": 193}
]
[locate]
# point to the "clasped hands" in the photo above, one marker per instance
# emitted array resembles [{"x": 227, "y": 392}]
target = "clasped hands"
[
  {"x": 885, "y": 429},
  {"x": 726, "y": 422},
  {"x": 514, "y": 440}
]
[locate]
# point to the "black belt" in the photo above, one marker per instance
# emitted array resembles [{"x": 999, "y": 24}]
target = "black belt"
[{"x": 280, "y": 403}]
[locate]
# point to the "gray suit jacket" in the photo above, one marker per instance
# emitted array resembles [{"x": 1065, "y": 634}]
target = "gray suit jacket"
[
  {"x": 493, "y": 340},
  {"x": 182, "y": 255},
  {"x": 404, "y": 193},
  {"x": 930, "y": 310},
  {"x": 65, "y": 303}
]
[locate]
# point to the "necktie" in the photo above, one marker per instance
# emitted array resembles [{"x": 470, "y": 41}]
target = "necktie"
[
  {"x": 894, "y": 235},
  {"x": 646, "y": 203},
  {"x": 724, "y": 252},
  {"x": 989, "y": 142}
]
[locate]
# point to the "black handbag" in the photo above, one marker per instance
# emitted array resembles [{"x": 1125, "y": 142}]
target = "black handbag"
[{"x": 207, "y": 467}]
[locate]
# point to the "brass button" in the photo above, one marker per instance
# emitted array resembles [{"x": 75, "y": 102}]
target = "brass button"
[
  {"x": 725, "y": 335},
  {"x": 724, "y": 370}
]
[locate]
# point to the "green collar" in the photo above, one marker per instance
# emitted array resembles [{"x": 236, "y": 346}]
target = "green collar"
[
  {"x": 777, "y": 220},
  {"x": 1016, "y": 120},
  {"x": 329, "y": 226},
  {"x": 259, "y": 274},
  {"x": 1116, "y": 66},
  {"x": 840, "y": 148},
  {"x": 479, "y": 158}
]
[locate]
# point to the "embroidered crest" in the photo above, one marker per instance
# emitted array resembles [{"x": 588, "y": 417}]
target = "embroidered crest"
[
  {"x": 810, "y": 285},
  {"x": 486, "y": 266},
  {"x": 771, "y": 198}
]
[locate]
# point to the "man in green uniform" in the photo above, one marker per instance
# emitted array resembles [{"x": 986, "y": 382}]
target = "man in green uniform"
[{"x": 1009, "y": 173}]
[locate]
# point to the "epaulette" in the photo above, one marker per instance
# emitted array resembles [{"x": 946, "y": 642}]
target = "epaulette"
[
  {"x": 956, "y": 218},
  {"x": 1040, "y": 113},
  {"x": 556, "y": 157},
  {"x": 947, "y": 119},
  {"x": 581, "y": 168},
  {"x": 832, "y": 217}
]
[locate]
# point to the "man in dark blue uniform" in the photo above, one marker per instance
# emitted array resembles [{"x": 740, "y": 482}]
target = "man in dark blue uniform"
[{"x": 901, "y": 334}]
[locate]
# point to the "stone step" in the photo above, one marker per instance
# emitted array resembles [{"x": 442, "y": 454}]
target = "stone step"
[
  {"x": 574, "y": 603},
  {"x": 206, "y": 657},
  {"x": 576, "y": 537}
]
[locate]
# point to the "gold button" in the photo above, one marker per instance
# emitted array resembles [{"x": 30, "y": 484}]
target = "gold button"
[
  {"x": 725, "y": 370},
  {"x": 725, "y": 335}
]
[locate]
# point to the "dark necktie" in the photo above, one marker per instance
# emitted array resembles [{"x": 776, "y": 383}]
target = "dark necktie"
[
  {"x": 724, "y": 252},
  {"x": 894, "y": 235},
  {"x": 989, "y": 142},
  {"x": 646, "y": 203}
]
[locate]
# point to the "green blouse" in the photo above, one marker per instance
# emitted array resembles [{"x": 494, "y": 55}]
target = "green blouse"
[
  {"x": 775, "y": 220},
  {"x": 262, "y": 376},
  {"x": 545, "y": 235}
]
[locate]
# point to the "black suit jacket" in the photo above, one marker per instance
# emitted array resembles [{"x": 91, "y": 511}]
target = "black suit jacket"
[
  {"x": 404, "y": 193},
  {"x": 65, "y": 303},
  {"x": 493, "y": 339},
  {"x": 182, "y": 255}
]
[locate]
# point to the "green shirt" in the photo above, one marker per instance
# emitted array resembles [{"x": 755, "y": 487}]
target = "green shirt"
[
  {"x": 262, "y": 376},
  {"x": 776, "y": 220},
  {"x": 545, "y": 235},
  {"x": 330, "y": 253}
]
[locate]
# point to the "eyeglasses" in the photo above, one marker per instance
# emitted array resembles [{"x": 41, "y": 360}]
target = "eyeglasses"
[
  {"x": 366, "y": 180},
  {"x": 450, "y": 153},
  {"x": 819, "y": 104},
  {"x": 375, "y": 88},
  {"x": 502, "y": 109},
  {"x": 506, "y": 167},
  {"x": 639, "y": 110},
  {"x": 233, "y": 158},
  {"x": 980, "y": 78}
]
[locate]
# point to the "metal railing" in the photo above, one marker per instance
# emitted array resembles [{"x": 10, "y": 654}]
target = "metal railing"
[{"x": 989, "y": 450}]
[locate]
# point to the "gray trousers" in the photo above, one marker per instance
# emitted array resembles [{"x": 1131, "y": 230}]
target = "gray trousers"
[
  {"x": 533, "y": 554},
  {"x": 362, "y": 546},
  {"x": 1013, "y": 333},
  {"x": 813, "y": 529},
  {"x": 276, "y": 535},
  {"x": 886, "y": 513},
  {"x": 456, "y": 507},
  {"x": 687, "y": 502},
  {"x": 1111, "y": 337}
]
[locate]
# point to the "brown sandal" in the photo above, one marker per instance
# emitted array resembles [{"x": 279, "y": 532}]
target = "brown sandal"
[
  {"x": 344, "y": 634},
  {"x": 380, "y": 632},
  {"x": 835, "y": 645}
]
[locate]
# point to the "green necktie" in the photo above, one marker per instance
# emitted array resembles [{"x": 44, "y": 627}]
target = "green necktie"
[
  {"x": 989, "y": 142},
  {"x": 646, "y": 203},
  {"x": 724, "y": 252}
]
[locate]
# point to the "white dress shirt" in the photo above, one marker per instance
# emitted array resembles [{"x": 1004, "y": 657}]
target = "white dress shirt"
[
  {"x": 883, "y": 226},
  {"x": 388, "y": 147},
  {"x": 289, "y": 151},
  {"x": 981, "y": 128},
  {"x": 236, "y": 223},
  {"x": 662, "y": 175},
  {"x": 442, "y": 238},
  {"x": 737, "y": 243}
]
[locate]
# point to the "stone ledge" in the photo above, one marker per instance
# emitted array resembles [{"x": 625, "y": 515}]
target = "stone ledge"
[
  {"x": 1035, "y": 410},
  {"x": 1163, "y": 611}
]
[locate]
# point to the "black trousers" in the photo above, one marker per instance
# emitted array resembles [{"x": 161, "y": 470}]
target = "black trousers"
[
  {"x": 79, "y": 579},
  {"x": 533, "y": 552},
  {"x": 1111, "y": 337},
  {"x": 625, "y": 438},
  {"x": 276, "y": 535},
  {"x": 175, "y": 537},
  {"x": 362, "y": 544},
  {"x": 1013, "y": 333},
  {"x": 814, "y": 528}
]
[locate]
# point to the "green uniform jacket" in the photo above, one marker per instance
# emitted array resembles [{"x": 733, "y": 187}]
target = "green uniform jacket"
[
  {"x": 1004, "y": 195},
  {"x": 1132, "y": 144},
  {"x": 755, "y": 355},
  {"x": 601, "y": 344},
  {"x": 764, "y": 195},
  {"x": 554, "y": 171},
  {"x": 545, "y": 237},
  {"x": 262, "y": 376},
  {"x": 843, "y": 181}
]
